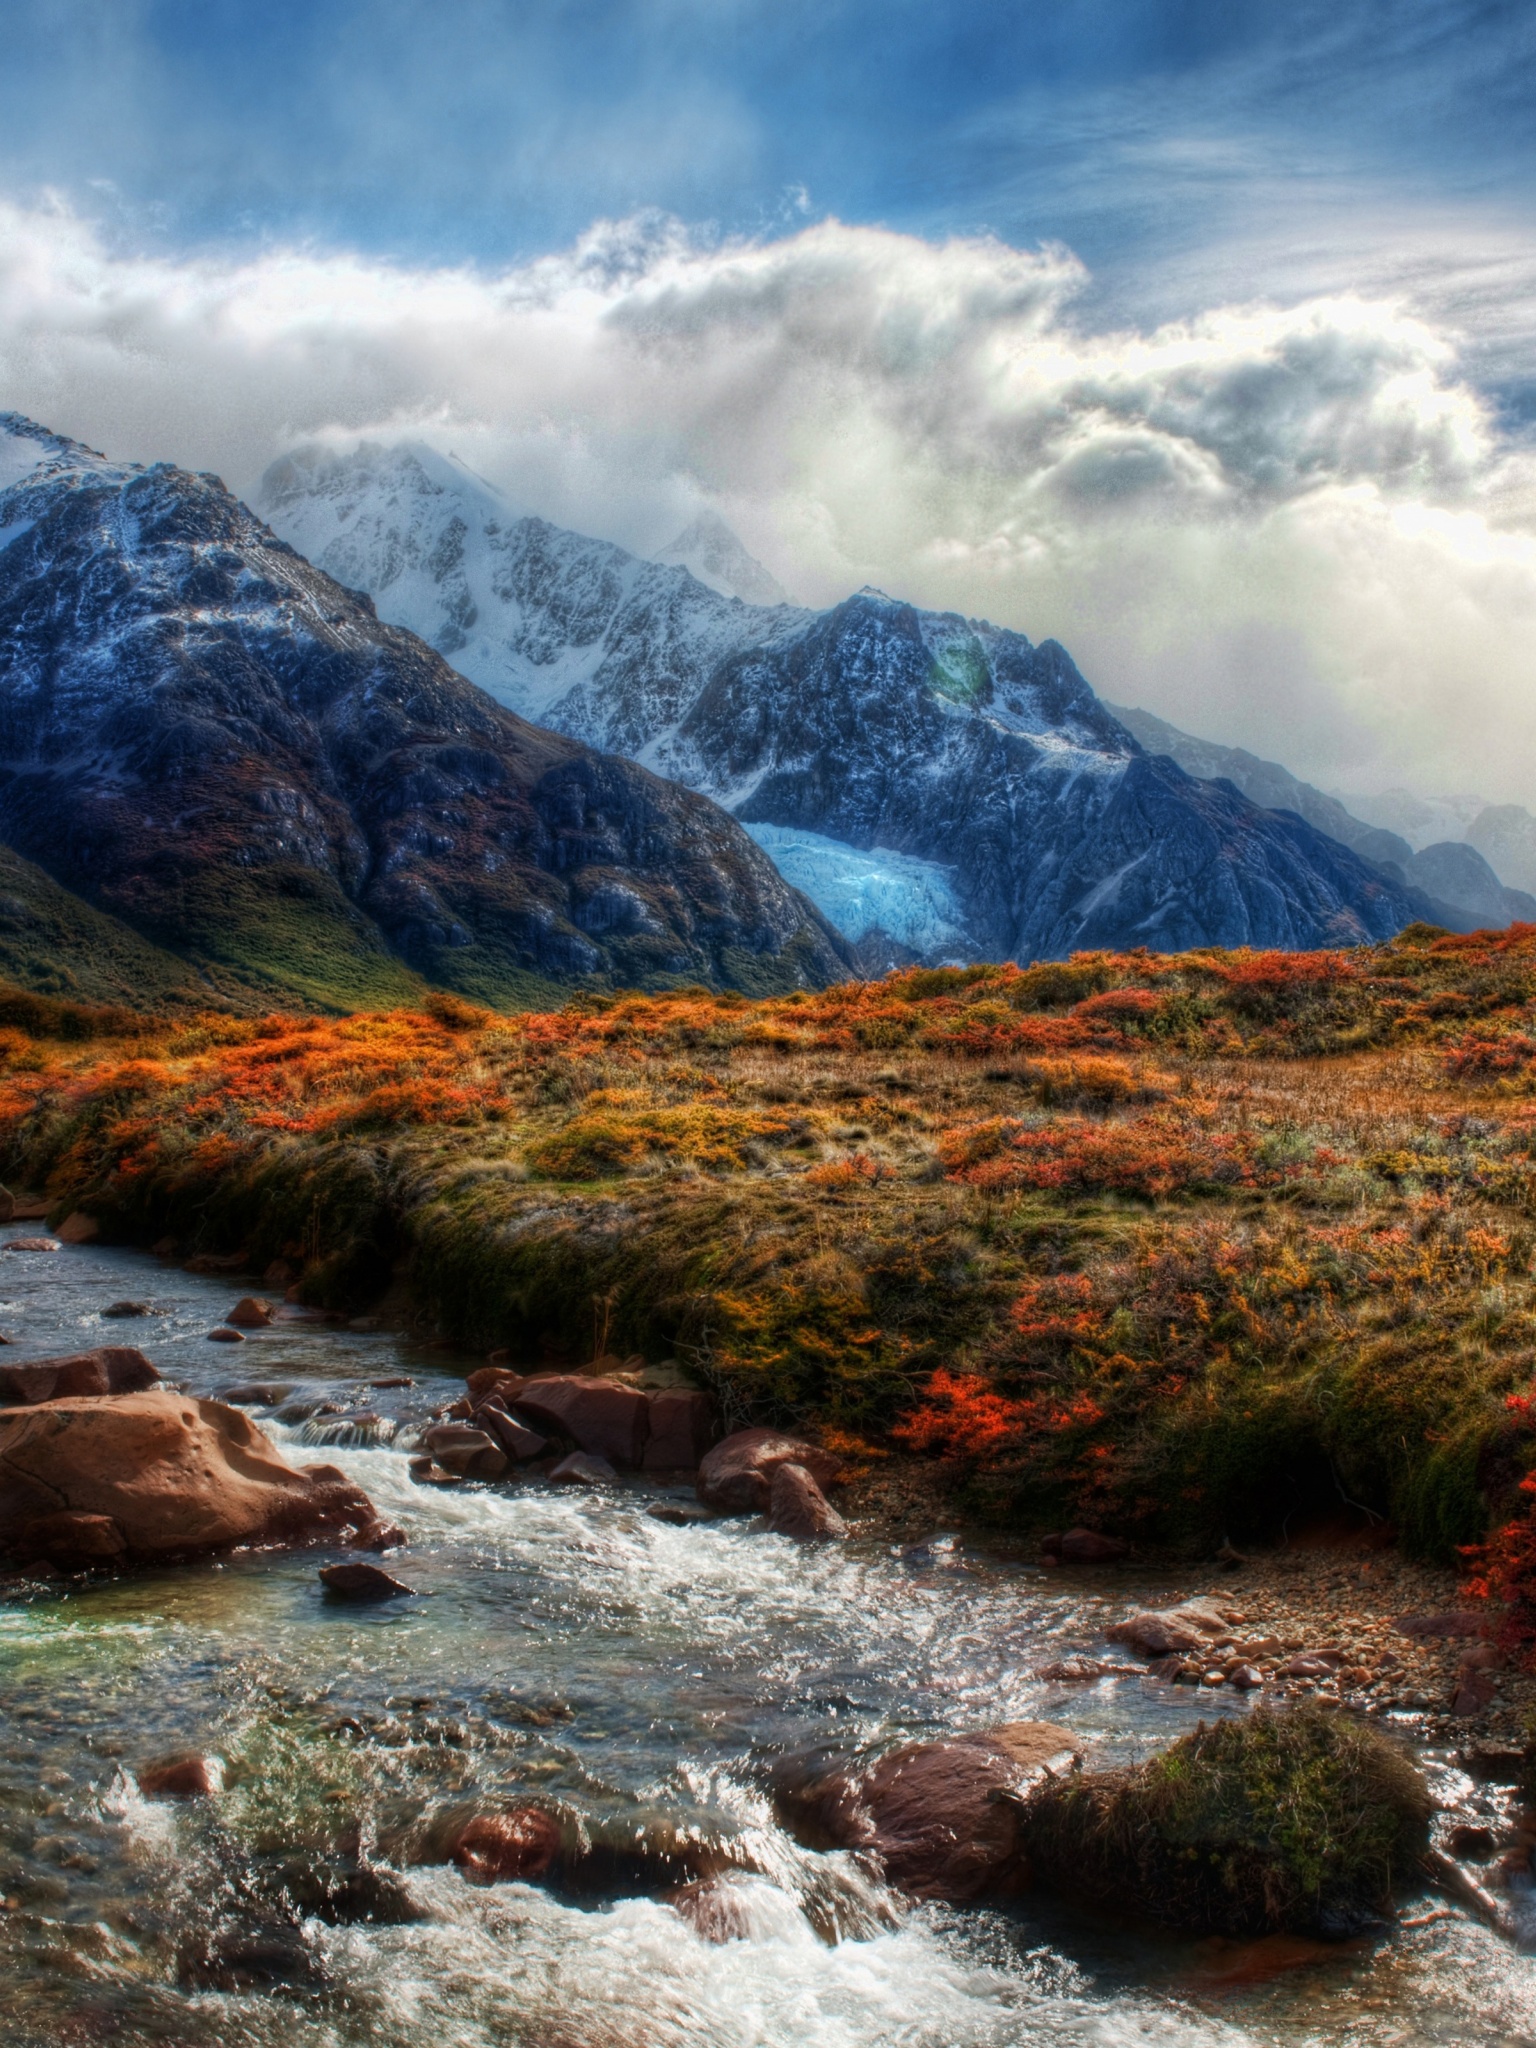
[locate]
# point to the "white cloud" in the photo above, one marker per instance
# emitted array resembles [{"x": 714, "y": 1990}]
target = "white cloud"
[{"x": 1294, "y": 527}]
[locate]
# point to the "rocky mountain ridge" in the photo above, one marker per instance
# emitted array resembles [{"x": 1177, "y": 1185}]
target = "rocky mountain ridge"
[
  {"x": 1456, "y": 873},
  {"x": 213, "y": 743},
  {"x": 941, "y": 787}
]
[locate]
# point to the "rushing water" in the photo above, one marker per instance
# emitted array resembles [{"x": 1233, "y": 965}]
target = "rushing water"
[{"x": 642, "y": 1676}]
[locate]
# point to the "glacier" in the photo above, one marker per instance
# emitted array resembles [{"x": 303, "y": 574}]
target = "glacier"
[{"x": 912, "y": 901}]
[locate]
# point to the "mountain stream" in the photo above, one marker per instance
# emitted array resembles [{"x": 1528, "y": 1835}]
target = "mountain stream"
[{"x": 569, "y": 1646}]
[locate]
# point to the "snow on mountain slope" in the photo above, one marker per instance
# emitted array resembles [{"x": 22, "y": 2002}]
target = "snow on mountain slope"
[
  {"x": 709, "y": 550},
  {"x": 947, "y": 743},
  {"x": 575, "y": 633}
]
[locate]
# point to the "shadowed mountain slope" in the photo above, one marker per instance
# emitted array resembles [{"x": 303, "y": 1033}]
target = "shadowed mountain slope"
[{"x": 210, "y": 741}]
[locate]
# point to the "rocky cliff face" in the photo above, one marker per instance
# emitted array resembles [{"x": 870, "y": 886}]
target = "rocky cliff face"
[
  {"x": 941, "y": 788},
  {"x": 210, "y": 740}
]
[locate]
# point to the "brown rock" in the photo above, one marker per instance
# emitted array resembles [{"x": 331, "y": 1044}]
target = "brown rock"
[
  {"x": 120, "y": 1311},
  {"x": 7, "y": 1205},
  {"x": 493, "y": 1848},
  {"x": 258, "y": 1394},
  {"x": 520, "y": 1443},
  {"x": 109, "y": 1369},
  {"x": 607, "y": 1420},
  {"x": 468, "y": 1452},
  {"x": 494, "y": 1379},
  {"x": 1245, "y": 1678},
  {"x": 179, "y": 1777},
  {"x": 737, "y": 1475},
  {"x": 362, "y": 1582},
  {"x": 581, "y": 1468},
  {"x": 1446, "y": 1625},
  {"x": 798, "y": 1507},
  {"x": 77, "y": 1538},
  {"x": 717, "y": 1909},
  {"x": 177, "y": 1476},
  {"x": 78, "y": 1228},
  {"x": 1087, "y": 1546},
  {"x": 250, "y": 1313},
  {"x": 224, "y": 1335},
  {"x": 683, "y": 1425},
  {"x": 217, "y": 1262},
  {"x": 1192, "y": 1625},
  {"x": 941, "y": 1817},
  {"x": 279, "y": 1274},
  {"x": 1472, "y": 1694},
  {"x": 31, "y": 1244}
]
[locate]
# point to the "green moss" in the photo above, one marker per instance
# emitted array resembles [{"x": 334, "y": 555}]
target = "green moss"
[{"x": 1301, "y": 1822}]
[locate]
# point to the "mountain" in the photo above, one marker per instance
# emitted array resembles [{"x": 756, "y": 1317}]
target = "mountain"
[
  {"x": 1421, "y": 820},
  {"x": 940, "y": 787},
  {"x": 711, "y": 552},
  {"x": 1266, "y": 783},
  {"x": 574, "y": 633},
  {"x": 222, "y": 750},
  {"x": 1467, "y": 892},
  {"x": 1505, "y": 835}
]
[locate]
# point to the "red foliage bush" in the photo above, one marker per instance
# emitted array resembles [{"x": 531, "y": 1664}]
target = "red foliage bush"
[
  {"x": 1481, "y": 1056},
  {"x": 1151, "y": 1157}
]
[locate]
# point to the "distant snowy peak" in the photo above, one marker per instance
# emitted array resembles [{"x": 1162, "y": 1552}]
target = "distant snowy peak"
[
  {"x": 573, "y": 632},
  {"x": 709, "y": 550}
]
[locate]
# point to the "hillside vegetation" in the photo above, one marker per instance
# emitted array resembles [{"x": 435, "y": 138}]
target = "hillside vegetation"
[{"x": 1180, "y": 1246}]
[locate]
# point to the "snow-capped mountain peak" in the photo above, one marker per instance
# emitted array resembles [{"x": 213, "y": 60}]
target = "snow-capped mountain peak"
[
  {"x": 709, "y": 550},
  {"x": 939, "y": 779}
]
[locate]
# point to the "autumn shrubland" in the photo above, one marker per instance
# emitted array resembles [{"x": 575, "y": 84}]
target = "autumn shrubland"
[{"x": 1183, "y": 1246}]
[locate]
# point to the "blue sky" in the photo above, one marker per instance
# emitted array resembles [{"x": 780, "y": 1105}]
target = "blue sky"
[
  {"x": 1200, "y": 334},
  {"x": 492, "y": 129}
]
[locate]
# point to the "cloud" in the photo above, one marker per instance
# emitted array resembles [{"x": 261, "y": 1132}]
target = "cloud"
[{"x": 1296, "y": 527}]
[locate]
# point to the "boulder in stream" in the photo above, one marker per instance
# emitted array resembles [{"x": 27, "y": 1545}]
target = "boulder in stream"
[
  {"x": 1156, "y": 1632},
  {"x": 599, "y": 1416},
  {"x": 737, "y": 1475},
  {"x": 798, "y": 1507},
  {"x": 357, "y": 1581},
  {"x": 188, "y": 1776},
  {"x": 250, "y": 1313},
  {"x": 171, "y": 1475},
  {"x": 941, "y": 1818},
  {"x": 466, "y": 1452},
  {"x": 109, "y": 1369},
  {"x": 1298, "y": 1822},
  {"x": 493, "y": 1848}
]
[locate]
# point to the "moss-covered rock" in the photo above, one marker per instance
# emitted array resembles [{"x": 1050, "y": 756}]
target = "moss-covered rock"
[{"x": 1301, "y": 1822}]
